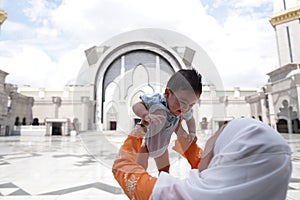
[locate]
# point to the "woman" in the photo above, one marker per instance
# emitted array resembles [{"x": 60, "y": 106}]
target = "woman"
[{"x": 244, "y": 160}]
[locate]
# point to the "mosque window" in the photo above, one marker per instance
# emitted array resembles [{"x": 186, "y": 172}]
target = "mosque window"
[{"x": 8, "y": 103}]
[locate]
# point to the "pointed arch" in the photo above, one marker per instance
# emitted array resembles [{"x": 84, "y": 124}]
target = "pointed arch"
[
  {"x": 108, "y": 70},
  {"x": 111, "y": 116}
]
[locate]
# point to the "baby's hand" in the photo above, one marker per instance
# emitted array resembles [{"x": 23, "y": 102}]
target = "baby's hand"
[
  {"x": 137, "y": 132},
  {"x": 153, "y": 118}
]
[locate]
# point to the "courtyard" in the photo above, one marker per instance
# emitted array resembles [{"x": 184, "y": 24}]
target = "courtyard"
[{"x": 79, "y": 167}]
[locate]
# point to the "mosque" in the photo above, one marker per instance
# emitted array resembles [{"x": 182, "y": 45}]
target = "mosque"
[
  {"x": 278, "y": 102},
  {"x": 121, "y": 69}
]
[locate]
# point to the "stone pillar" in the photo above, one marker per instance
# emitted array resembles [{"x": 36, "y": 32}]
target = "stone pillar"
[
  {"x": 30, "y": 102},
  {"x": 157, "y": 75},
  {"x": 65, "y": 128},
  {"x": 123, "y": 79},
  {"x": 48, "y": 128},
  {"x": 57, "y": 103},
  {"x": 91, "y": 123},
  {"x": 298, "y": 102},
  {"x": 272, "y": 114},
  {"x": 75, "y": 124},
  {"x": 263, "y": 107},
  {"x": 85, "y": 109}
]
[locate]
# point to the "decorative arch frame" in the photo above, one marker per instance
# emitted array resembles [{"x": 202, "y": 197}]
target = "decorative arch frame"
[{"x": 114, "y": 53}]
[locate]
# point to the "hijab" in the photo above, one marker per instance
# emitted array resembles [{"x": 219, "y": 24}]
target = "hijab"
[{"x": 251, "y": 162}]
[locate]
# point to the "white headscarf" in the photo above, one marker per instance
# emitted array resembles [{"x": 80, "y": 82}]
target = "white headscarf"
[{"x": 251, "y": 162}]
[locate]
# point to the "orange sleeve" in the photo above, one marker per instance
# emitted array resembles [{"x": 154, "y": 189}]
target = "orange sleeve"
[
  {"x": 193, "y": 155},
  {"x": 190, "y": 151},
  {"x": 133, "y": 178}
]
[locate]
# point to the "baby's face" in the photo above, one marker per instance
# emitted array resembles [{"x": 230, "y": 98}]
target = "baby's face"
[{"x": 180, "y": 102}]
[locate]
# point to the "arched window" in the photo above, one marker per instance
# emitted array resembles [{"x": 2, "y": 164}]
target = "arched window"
[{"x": 8, "y": 103}]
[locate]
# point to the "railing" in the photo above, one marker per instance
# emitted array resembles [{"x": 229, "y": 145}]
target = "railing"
[
  {"x": 29, "y": 127},
  {"x": 29, "y": 130}
]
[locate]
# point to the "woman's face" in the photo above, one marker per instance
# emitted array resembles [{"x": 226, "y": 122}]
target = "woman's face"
[
  {"x": 180, "y": 102},
  {"x": 208, "y": 152}
]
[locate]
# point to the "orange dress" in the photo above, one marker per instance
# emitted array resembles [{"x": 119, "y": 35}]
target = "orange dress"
[{"x": 133, "y": 178}]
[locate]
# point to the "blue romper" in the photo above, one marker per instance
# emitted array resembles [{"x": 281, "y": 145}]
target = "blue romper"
[{"x": 158, "y": 135}]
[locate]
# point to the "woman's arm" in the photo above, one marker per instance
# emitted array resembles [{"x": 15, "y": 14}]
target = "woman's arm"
[
  {"x": 186, "y": 147},
  {"x": 133, "y": 178},
  {"x": 189, "y": 150}
]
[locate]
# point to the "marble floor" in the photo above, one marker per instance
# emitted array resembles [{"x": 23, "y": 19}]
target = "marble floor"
[{"x": 79, "y": 167}]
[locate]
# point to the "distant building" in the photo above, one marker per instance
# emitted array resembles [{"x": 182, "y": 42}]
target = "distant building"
[
  {"x": 15, "y": 108},
  {"x": 61, "y": 111},
  {"x": 279, "y": 100}
]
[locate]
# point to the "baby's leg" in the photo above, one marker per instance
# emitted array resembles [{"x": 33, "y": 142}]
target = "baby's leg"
[
  {"x": 163, "y": 162},
  {"x": 143, "y": 156}
]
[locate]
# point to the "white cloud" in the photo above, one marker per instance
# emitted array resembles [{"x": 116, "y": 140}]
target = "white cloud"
[
  {"x": 25, "y": 63},
  {"x": 15, "y": 30},
  {"x": 245, "y": 45},
  {"x": 237, "y": 42},
  {"x": 12, "y": 27},
  {"x": 251, "y": 3},
  {"x": 100, "y": 20},
  {"x": 68, "y": 66},
  {"x": 38, "y": 10},
  {"x": 32, "y": 66}
]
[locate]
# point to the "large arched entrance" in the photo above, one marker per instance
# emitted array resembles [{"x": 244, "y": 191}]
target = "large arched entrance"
[
  {"x": 133, "y": 73},
  {"x": 139, "y": 62}
]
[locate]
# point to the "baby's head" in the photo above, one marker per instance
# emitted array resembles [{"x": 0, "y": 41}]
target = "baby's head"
[{"x": 183, "y": 90}]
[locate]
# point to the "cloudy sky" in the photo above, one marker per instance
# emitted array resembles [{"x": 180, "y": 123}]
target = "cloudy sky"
[{"x": 42, "y": 42}]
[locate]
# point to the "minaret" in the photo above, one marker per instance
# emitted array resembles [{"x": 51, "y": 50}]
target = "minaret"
[
  {"x": 286, "y": 23},
  {"x": 3, "y": 16}
]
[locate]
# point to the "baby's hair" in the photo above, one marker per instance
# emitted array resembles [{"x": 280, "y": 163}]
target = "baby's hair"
[{"x": 186, "y": 79}]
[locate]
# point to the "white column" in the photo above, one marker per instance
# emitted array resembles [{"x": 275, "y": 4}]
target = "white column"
[
  {"x": 48, "y": 128},
  {"x": 85, "y": 109},
  {"x": 98, "y": 108},
  {"x": 272, "y": 111},
  {"x": 123, "y": 78},
  {"x": 157, "y": 75},
  {"x": 57, "y": 102},
  {"x": 264, "y": 111},
  {"x": 63, "y": 132},
  {"x": 298, "y": 93}
]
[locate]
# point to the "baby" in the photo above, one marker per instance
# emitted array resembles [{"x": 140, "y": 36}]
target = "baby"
[{"x": 161, "y": 115}]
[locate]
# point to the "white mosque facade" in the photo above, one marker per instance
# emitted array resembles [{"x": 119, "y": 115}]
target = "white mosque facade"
[{"x": 127, "y": 66}]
